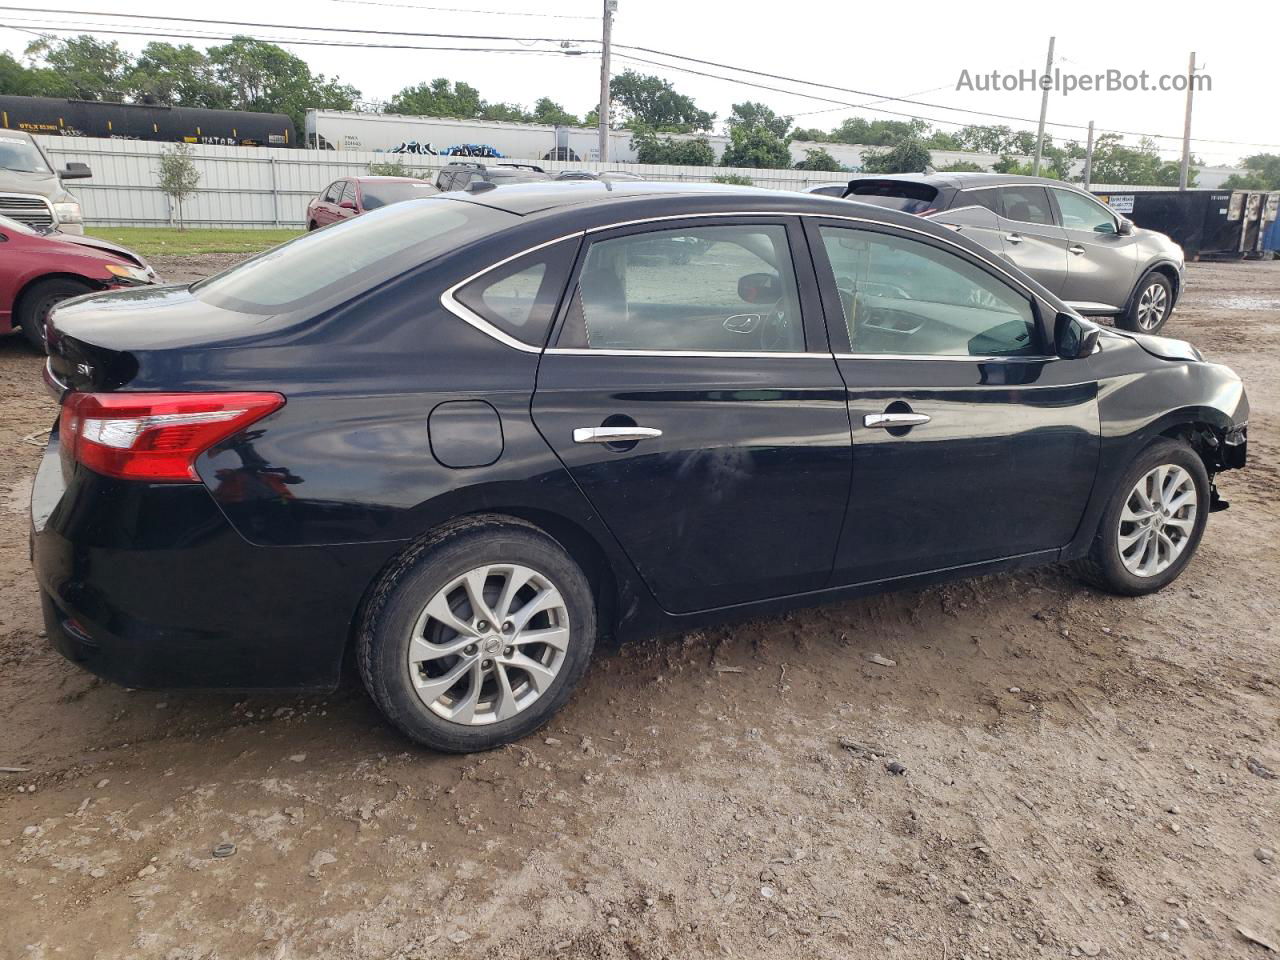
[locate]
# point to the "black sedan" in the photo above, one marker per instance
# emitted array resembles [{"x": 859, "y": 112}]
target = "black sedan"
[{"x": 465, "y": 436}]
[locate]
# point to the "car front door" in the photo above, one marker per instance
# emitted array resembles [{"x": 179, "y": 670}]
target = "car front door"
[
  {"x": 326, "y": 209},
  {"x": 1102, "y": 263},
  {"x": 341, "y": 210},
  {"x": 693, "y": 396},
  {"x": 971, "y": 442},
  {"x": 1032, "y": 239}
]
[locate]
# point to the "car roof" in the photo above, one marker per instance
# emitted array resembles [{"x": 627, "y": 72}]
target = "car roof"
[
  {"x": 962, "y": 179},
  {"x": 372, "y": 179}
]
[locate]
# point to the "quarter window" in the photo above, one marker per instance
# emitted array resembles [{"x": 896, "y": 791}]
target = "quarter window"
[
  {"x": 703, "y": 289},
  {"x": 520, "y": 298},
  {"x": 1081, "y": 213},
  {"x": 903, "y": 297},
  {"x": 1026, "y": 204}
]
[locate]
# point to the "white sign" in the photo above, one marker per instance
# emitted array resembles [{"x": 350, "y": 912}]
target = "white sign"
[{"x": 1122, "y": 203}]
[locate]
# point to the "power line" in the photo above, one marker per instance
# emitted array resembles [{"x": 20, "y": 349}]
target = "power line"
[
  {"x": 503, "y": 13},
  {"x": 286, "y": 26}
]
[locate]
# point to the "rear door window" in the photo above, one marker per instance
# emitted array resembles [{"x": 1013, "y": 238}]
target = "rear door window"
[{"x": 1026, "y": 203}]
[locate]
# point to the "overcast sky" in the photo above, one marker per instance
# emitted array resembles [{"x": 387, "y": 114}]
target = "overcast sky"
[{"x": 915, "y": 50}]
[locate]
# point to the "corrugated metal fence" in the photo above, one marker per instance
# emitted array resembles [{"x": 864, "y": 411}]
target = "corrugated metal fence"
[{"x": 264, "y": 187}]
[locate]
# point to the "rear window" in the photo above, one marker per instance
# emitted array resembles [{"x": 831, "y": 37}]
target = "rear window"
[
  {"x": 20, "y": 155},
  {"x": 349, "y": 257},
  {"x": 905, "y": 195},
  {"x": 380, "y": 194}
]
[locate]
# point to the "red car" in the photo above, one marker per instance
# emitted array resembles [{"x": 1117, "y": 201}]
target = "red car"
[
  {"x": 39, "y": 269},
  {"x": 352, "y": 196}
]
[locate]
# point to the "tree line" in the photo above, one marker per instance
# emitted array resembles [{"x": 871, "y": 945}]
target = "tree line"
[{"x": 249, "y": 74}]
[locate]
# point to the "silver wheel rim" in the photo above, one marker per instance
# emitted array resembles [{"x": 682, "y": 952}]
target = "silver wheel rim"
[
  {"x": 1157, "y": 521},
  {"x": 1152, "y": 306},
  {"x": 488, "y": 644}
]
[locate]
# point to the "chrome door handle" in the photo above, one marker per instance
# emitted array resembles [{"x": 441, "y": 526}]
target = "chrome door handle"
[
  {"x": 1076, "y": 249},
  {"x": 1014, "y": 238},
  {"x": 887, "y": 420},
  {"x": 614, "y": 434}
]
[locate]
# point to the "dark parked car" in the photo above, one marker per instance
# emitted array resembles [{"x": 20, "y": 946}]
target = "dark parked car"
[
  {"x": 465, "y": 436},
  {"x": 461, "y": 174},
  {"x": 344, "y": 199},
  {"x": 41, "y": 268},
  {"x": 1097, "y": 261}
]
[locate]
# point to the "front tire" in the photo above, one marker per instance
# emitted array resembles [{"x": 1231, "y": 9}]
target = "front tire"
[
  {"x": 39, "y": 299},
  {"x": 1153, "y": 524},
  {"x": 1151, "y": 306},
  {"x": 478, "y": 635}
]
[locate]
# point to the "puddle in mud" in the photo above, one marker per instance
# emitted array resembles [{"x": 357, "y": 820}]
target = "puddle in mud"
[{"x": 1242, "y": 303}]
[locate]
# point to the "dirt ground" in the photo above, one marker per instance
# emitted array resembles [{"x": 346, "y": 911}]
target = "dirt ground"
[{"x": 1084, "y": 775}]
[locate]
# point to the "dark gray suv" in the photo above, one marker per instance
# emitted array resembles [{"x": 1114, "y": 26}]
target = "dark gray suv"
[{"x": 1100, "y": 263}]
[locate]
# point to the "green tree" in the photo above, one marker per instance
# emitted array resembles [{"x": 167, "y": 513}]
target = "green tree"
[
  {"x": 649, "y": 101},
  {"x": 1115, "y": 162},
  {"x": 907, "y": 156},
  {"x": 962, "y": 166},
  {"x": 92, "y": 69},
  {"x": 877, "y": 133},
  {"x": 818, "y": 160},
  {"x": 986, "y": 138},
  {"x": 20, "y": 80},
  {"x": 753, "y": 114},
  {"x": 943, "y": 141},
  {"x": 177, "y": 177},
  {"x": 264, "y": 77},
  {"x": 439, "y": 98},
  {"x": 736, "y": 179},
  {"x": 175, "y": 76},
  {"x": 755, "y": 146},
  {"x": 547, "y": 110},
  {"x": 810, "y": 134},
  {"x": 1262, "y": 172},
  {"x": 508, "y": 112},
  {"x": 693, "y": 152}
]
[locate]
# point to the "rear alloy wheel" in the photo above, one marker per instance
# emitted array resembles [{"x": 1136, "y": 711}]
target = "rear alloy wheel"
[
  {"x": 1153, "y": 524},
  {"x": 478, "y": 636},
  {"x": 1151, "y": 306},
  {"x": 37, "y": 302}
]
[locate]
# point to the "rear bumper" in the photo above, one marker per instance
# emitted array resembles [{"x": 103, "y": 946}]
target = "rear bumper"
[{"x": 150, "y": 586}]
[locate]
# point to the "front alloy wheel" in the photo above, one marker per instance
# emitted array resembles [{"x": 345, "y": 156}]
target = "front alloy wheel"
[
  {"x": 1157, "y": 521},
  {"x": 488, "y": 644},
  {"x": 1153, "y": 305}
]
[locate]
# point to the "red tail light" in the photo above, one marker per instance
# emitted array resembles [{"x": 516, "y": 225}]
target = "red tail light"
[{"x": 155, "y": 436}]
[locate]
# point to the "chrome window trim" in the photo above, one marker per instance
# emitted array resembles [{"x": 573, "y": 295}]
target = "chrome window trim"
[{"x": 449, "y": 301}]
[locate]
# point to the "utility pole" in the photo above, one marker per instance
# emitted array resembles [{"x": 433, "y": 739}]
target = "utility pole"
[
  {"x": 1045, "y": 83},
  {"x": 1088, "y": 158},
  {"x": 609, "y": 7},
  {"x": 1184, "y": 172}
]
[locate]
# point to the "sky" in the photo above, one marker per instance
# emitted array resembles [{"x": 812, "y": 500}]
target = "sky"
[{"x": 917, "y": 51}]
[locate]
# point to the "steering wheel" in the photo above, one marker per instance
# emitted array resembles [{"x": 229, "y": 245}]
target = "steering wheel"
[{"x": 777, "y": 332}]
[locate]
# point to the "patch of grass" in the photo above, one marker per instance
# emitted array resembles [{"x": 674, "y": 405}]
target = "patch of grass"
[{"x": 169, "y": 241}]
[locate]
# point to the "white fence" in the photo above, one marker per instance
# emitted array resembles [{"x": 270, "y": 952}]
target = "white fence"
[{"x": 266, "y": 187}]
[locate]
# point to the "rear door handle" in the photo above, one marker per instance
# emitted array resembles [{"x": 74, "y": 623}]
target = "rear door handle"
[
  {"x": 1076, "y": 249},
  {"x": 888, "y": 420},
  {"x": 614, "y": 434},
  {"x": 1014, "y": 238}
]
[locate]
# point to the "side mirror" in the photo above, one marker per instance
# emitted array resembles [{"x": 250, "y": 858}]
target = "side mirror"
[
  {"x": 759, "y": 288},
  {"x": 1126, "y": 227},
  {"x": 75, "y": 171},
  {"x": 348, "y": 204},
  {"x": 1073, "y": 338}
]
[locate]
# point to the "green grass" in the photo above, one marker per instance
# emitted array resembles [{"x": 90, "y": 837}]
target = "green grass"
[{"x": 169, "y": 241}]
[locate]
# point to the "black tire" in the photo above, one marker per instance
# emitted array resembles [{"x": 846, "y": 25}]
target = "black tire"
[
  {"x": 41, "y": 297},
  {"x": 311, "y": 225},
  {"x": 1134, "y": 318},
  {"x": 403, "y": 592},
  {"x": 1103, "y": 566}
]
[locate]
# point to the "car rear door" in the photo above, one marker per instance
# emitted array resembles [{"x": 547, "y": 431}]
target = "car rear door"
[
  {"x": 1101, "y": 263},
  {"x": 1032, "y": 239},
  {"x": 971, "y": 442},
  {"x": 692, "y": 394}
]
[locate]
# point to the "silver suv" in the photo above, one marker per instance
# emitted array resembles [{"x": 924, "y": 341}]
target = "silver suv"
[
  {"x": 1082, "y": 251},
  {"x": 31, "y": 190}
]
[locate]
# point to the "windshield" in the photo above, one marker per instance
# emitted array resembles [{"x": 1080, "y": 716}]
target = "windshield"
[
  {"x": 380, "y": 194},
  {"x": 20, "y": 154},
  {"x": 351, "y": 256}
]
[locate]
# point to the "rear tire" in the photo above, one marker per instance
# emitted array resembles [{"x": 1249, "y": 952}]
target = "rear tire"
[
  {"x": 38, "y": 299},
  {"x": 1151, "y": 305},
  {"x": 1116, "y": 558},
  {"x": 514, "y": 663}
]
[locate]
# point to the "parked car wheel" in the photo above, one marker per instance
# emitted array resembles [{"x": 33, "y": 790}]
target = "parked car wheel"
[
  {"x": 1151, "y": 306},
  {"x": 1153, "y": 524},
  {"x": 311, "y": 225},
  {"x": 477, "y": 636},
  {"x": 41, "y": 297}
]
